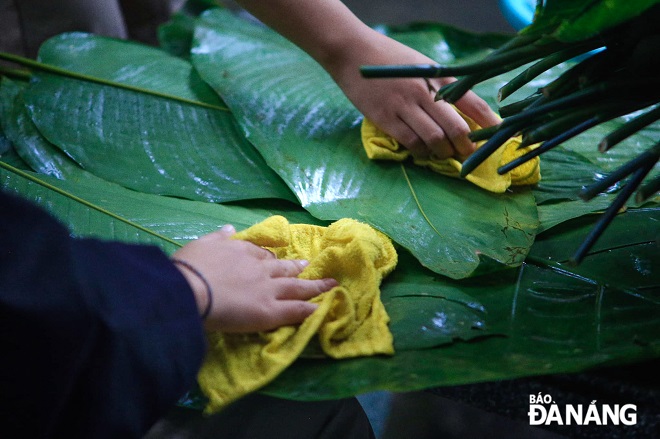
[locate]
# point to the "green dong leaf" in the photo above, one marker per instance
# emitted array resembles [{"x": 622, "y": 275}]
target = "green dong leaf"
[
  {"x": 148, "y": 143},
  {"x": 545, "y": 318},
  {"x": 308, "y": 133}
]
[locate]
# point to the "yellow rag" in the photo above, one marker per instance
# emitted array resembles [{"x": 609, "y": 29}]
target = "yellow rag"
[
  {"x": 350, "y": 320},
  {"x": 380, "y": 146}
]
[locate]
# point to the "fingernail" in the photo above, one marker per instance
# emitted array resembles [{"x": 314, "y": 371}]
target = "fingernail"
[
  {"x": 303, "y": 263},
  {"x": 228, "y": 228}
]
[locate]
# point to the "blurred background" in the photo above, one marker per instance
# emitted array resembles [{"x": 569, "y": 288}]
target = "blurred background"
[
  {"x": 27, "y": 23},
  {"x": 475, "y": 15}
]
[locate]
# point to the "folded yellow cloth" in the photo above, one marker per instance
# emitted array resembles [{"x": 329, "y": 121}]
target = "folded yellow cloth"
[
  {"x": 350, "y": 320},
  {"x": 380, "y": 146}
]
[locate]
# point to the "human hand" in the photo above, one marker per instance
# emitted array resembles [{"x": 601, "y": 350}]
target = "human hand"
[
  {"x": 404, "y": 107},
  {"x": 251, "y": 289}
]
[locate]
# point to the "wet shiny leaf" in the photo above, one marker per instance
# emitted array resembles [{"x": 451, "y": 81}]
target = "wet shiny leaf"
[
  {"x": 426, "y": 311},
  {"x": 148, "y": 143},
  {"x": 125, "y": 215},
  {"x": 308, "y": 132},
  {"x": 541, "y": 318},
  {"x": 41, "y": 155}
]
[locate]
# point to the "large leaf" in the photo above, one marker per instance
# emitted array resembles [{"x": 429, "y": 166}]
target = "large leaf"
[
  {"x": 7, "y": 151},
  {"x": 550, "y": 317},
  {"x": 148, "y": 143},
  {"x": 5, "y": 144},
  {"x": 30, "y": 145},
  {"x": 626, "y": 256},
  {"x": 127, "y": 62},
  {"x": 175, "y": 36},
  {"x": 426, "y": 311},
  {"x": 90, "y": 206},
  {"x": 308, "y": 132}
]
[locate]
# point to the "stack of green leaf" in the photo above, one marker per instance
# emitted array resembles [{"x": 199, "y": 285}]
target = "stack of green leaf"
[{"x": 128, "y": 142}]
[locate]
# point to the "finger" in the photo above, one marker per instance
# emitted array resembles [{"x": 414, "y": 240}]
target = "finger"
[
  {"x": 291, "y": 312},
  {"x": 454, "y": 128},
  {"x": 225, "y": 232},
  {"x": 478, "y": 110},
  {"x": 254, "y": 250},
  {"x": 304, "y": 289},
  {"x": 431, "y": 133},
  {"x": 288, "y": 268},
  {"x": 262, "y": 253},
  {"x": 407, "y": 137}
]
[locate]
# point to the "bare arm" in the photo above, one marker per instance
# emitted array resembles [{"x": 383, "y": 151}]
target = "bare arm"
[{"x": 404, "y": 108}]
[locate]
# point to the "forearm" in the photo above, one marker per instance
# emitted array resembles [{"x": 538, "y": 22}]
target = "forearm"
[
  {"x": 324, "y": 29},
  {"x": 403, "y": 107}
]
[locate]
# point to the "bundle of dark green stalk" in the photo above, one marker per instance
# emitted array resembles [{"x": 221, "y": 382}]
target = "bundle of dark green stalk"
[{"x": 615, "y": 72}]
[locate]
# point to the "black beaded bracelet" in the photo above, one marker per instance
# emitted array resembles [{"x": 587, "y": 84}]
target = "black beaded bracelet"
[{"x": 209, "y": 292}]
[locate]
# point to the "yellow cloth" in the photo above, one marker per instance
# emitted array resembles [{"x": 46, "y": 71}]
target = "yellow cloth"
[
  {"x": 350, "y": 320},
  {"x": 380, "y": 146}
]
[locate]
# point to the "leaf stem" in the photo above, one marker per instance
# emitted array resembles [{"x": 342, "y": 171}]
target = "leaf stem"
[
  {"x": 516, "y": 107},
  {"x": 452, "y": 92},
  {"x": 648, "y": 157},
  {"x": 642, "y": 89},
  {"x": 629, "y": 129},
  {"x": 540, "y": 67},
  {"x": 554, "y": 124},
  {"x": 607, "y": 217},
  {"x": 595, "y": 66},
  {"x": 481, "y": 154},
  {"x": 483, "y": 133},
  {"x": 515, "y": 57},
  {"x": 401, "y": 71},
  {"x": 648, "y": 190},
  {"x": 548, "y": 145}
]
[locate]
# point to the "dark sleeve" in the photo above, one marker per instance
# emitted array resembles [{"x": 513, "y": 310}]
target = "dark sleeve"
[{"x": 98, "y": 339}]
